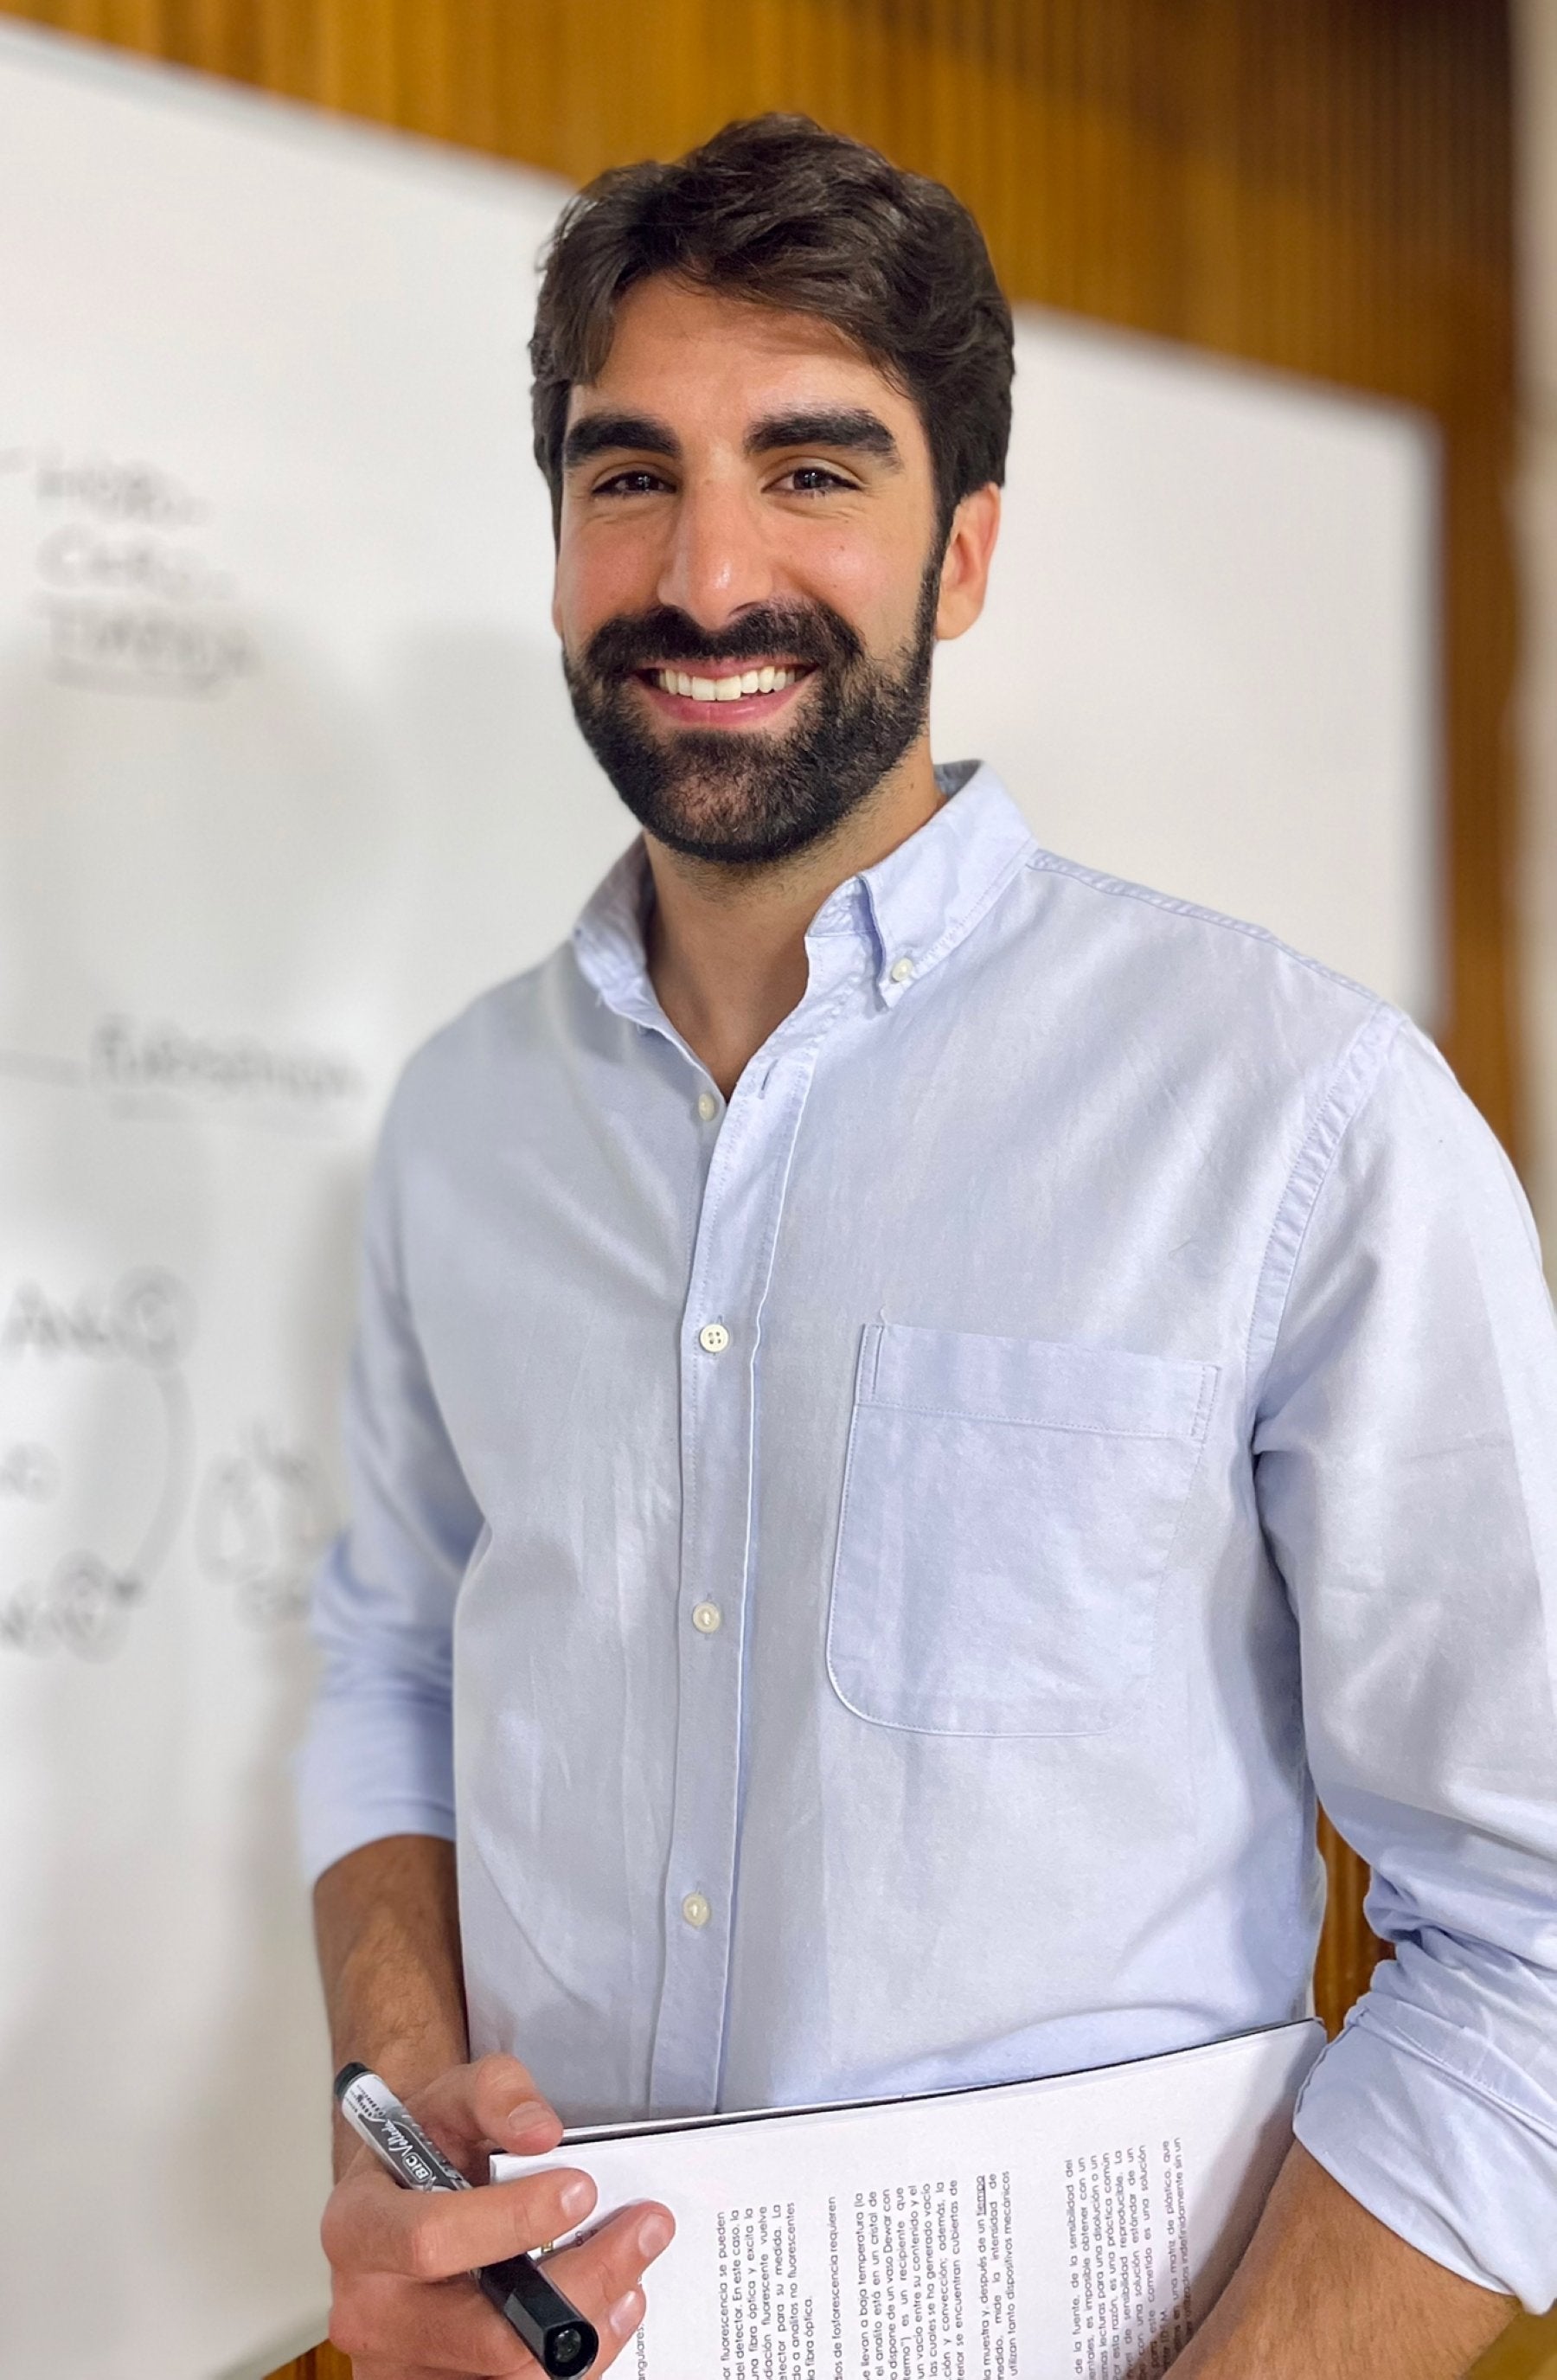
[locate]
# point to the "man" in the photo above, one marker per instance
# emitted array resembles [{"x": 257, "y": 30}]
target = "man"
[{"x": 913, "y": 1402}]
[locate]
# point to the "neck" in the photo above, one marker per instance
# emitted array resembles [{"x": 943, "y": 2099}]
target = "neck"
[{"x": 727, "y": 945}]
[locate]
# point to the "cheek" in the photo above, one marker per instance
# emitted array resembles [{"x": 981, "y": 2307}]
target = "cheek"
[
  {"x": 599, "y": 578},
  {"x": 875, "y": 586}
]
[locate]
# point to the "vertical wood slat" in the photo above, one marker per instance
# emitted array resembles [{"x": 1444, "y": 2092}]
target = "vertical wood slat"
[{"x": 1349, "y": 1950}]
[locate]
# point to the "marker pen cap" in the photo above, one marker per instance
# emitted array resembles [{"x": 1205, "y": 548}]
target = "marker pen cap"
[{"x": 556, "y": 2333}]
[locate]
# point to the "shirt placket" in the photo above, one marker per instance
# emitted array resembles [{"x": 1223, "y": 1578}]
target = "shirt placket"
[{"x": 720, "y": 1346}]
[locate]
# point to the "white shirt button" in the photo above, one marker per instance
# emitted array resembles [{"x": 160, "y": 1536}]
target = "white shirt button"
[
  {"x": 708, "y": 1107},
  {"x": 695, "y": 1909},
  {"x": 706, "y": 1617},
  {"x": 901, "y": 970},
  {"x": 713, "y": 1338}
]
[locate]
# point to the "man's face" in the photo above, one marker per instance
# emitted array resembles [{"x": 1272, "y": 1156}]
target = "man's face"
[{"x": 748, "y": 574}]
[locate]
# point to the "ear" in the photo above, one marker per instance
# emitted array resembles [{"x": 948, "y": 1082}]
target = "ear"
[{"x": 965, "y": 569}]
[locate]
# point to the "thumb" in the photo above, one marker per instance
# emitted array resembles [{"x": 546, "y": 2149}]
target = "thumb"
[{"x": 493, "y": 2103}]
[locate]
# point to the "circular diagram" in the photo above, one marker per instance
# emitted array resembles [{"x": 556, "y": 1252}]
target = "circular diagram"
[{"x": 96, "y": 1456}]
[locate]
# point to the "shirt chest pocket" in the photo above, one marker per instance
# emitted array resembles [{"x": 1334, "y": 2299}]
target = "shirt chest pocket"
[{"x": 1009, "y": 1508}]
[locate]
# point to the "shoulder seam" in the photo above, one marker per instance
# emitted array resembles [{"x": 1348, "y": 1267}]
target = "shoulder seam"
[
  {"x": 1177, "y": 907},
  {"x": 1351, "y": 1085}
]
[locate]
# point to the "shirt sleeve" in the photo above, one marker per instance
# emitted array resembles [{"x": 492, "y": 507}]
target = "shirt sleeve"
[
  {"x": 1406, "y": 1449},
  {"x": 378, "y": 1755}
]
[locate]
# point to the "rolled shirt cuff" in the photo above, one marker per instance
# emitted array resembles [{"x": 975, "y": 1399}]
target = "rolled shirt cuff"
[
  {"x": 369, "y": 1768},
  {"x": 1454, "y": 2166}
]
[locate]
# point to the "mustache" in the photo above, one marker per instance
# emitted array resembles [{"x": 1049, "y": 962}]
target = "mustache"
[{"x": 811, "y": 633}]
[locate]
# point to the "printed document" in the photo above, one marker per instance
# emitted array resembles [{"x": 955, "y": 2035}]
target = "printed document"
[{"x": 1073, "y": 2228}]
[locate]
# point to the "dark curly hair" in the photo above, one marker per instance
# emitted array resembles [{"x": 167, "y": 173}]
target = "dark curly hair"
[{"x": 782, "y": 213}]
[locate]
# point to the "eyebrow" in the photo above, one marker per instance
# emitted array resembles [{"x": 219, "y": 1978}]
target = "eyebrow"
[
  {"x": 850, "y": 428},
  {"x": 854, "y": 428},
  {"x": 603, "y": 433}
]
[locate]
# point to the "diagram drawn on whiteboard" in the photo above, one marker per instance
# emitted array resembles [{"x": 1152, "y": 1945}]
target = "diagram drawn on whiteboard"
[
  {"x": 126, "y": 600},
  {"x": 266, "y": 1513},
  {"x": 96, "y": 1456}
]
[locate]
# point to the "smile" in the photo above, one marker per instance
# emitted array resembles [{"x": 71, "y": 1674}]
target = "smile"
[{"x": 738, "y": 686}]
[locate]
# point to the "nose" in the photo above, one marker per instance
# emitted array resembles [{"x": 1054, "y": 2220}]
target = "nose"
[{"x": 716, "y": 563}]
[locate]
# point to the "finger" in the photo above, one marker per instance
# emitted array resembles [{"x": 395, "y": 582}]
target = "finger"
[
  {"x": 617, "y": 2327},
  {"x": 371, "y": 2225},
  {"x": 601, "y": 2271},
  {"x": 449, "y": 2327},
  {"x": 442, "y": 2327},
  {"x": 372, "y": 2368},
  {"x": 495, "y": 2099}
]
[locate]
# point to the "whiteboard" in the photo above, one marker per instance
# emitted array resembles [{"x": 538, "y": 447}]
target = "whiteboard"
[{"x": 287, "y": 772}]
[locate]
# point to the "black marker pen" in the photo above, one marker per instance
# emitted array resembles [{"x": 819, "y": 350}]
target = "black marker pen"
[{"x": 555, "y": 2333}]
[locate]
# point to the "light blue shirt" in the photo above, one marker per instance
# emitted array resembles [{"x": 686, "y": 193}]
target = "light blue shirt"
[{"x": 872, "y": 1573}]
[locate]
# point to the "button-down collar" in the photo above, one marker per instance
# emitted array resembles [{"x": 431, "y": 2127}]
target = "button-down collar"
[{"x": 915, "y": 905}]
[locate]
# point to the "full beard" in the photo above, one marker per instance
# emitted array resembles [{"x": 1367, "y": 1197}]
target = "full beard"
[{"x": 742, "y": 797}]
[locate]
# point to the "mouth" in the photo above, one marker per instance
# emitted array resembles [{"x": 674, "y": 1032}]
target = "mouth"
[{"x": 714, "y": 696}]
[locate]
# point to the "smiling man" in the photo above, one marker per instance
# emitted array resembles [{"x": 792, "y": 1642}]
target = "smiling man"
[{"x": 913, "y": 1402}]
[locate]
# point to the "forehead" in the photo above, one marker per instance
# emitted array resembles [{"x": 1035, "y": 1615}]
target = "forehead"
[{"x": 704, "y": 362}]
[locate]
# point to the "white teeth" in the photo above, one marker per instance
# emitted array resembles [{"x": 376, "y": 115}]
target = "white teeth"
[{"x": 725, "y": 690}]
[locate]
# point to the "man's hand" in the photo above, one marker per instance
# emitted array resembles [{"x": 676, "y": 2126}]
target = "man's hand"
[{"x": 405, "y": 2307}]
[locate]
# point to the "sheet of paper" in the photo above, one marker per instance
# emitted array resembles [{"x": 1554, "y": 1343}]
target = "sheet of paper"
[{"x": 1073, "y": 2229}]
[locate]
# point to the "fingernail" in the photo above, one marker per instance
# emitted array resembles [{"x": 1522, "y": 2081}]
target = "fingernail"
[
  {"x": 525, "y": 2119},
  {"x": 655, "y": 2235},
  {"x": 578, "y": 2196},
  {"x": 626, "y": 2315}
]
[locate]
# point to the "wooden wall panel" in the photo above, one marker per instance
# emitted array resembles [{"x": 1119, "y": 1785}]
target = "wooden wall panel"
[
  {"x": 1322, "y": 186},
  {"x": 1348, "y": 1950}
]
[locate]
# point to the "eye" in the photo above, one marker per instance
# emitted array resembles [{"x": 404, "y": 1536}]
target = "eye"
[
  {"x": 639, "y": 481},
  {"x": 814, "y": 480}
]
